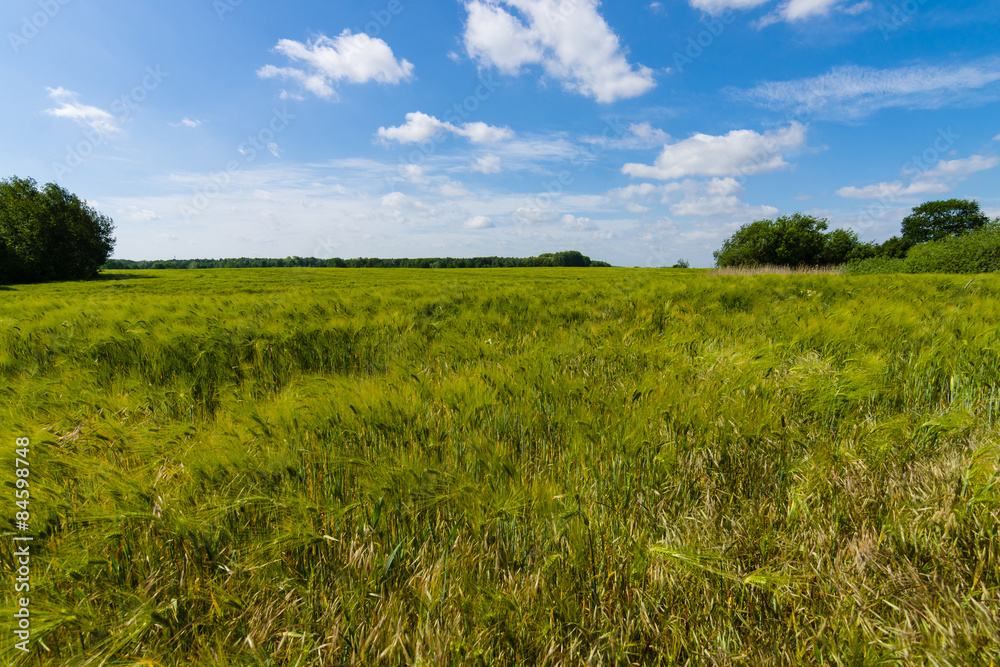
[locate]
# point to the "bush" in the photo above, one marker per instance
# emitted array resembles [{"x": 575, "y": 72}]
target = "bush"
[
  {"x": 49, "y": 234},
  {"x": 975, "y": 252},
  {"x": 795, "y": 241}
]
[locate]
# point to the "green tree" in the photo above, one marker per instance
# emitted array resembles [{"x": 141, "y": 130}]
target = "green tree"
[
  {"x": 936, "y": 220},
  {"x": 839, "y": 246},
  {"x": 49, "y": 234},
  {"x": 790, "y": 240}
]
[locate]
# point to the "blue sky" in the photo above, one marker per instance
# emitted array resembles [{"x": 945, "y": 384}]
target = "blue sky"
[{"x": 636, "y": 132}]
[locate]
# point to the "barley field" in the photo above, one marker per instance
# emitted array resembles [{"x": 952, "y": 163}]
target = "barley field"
[{"x": 316, "y": 467}]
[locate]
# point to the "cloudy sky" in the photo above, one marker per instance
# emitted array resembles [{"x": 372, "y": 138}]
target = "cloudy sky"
[{"x": 636, "y": 132}]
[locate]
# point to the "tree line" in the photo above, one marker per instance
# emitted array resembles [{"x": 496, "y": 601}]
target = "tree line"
[
  {"x": 802, "y": 240},
  {"x": 566, "y": 258}
]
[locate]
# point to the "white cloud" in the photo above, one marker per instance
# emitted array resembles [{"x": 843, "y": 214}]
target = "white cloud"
[
  {"x": 858, "y": 8},
  {"x": 187, "y": 122},
  {"x": 797, "y": 10},
  {"x": 452, "y": 189},
  {"x": 889, "y": 190},
  {"x": 854, "y": 92},
  {"x": 996, "y": 138},
  {"x": 420, "y": 127},
  {"x": 576, "y": 224},
  {"x": 535, "y": 215},
  {"x": 413, "y": 173},
  {"x": 481, "y": 133},
  {"x": 478, "y": 222},
  {"x": 712, "y": 198},
  {"x": 942, "y": 178},
  {"x": 717, "y": 198},
  {"x": 791, "y": 10},
  {"x": 740, "y": 152},
  {"x": 396, "y": 200},
  {"x": 93, "y": 117},
  {"x": 570, "y": 40},
  {"x": 636, "y": 136},
  {"x": 719, "y": 6},
  {"x": 346, "y": 57},
  {"x": 488, "y": 164}
]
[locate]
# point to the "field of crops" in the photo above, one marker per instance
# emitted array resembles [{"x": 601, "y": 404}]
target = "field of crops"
[{"x": 497, "y": 467}]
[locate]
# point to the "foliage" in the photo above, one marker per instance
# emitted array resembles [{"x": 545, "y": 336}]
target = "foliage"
[
  {"x": 568, "y": 258},
  {"x": 873, "y": 265},
  {"x": 974, "y": 252},
  {"x": 49, "y": 234},
  {"x": 935, "y": 220},
  {"x": 565, "y": 467},
  {"x": 795, "y": 240},
  {"x": 681, "y": 264}
]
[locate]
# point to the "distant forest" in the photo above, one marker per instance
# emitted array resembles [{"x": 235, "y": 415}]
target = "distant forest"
[{"x": 570, "y": 258}]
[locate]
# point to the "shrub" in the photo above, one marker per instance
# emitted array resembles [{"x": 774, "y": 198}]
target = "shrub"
[
  {"x": 794, "y": 240},
  {"x": 975, "y": 252}
]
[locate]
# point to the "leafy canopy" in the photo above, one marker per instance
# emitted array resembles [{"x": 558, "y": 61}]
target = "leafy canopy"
[
  {"x": 935, "y": 220},
  {"x": 49, "y": 234},
  {"x": 790, "y": 240}
]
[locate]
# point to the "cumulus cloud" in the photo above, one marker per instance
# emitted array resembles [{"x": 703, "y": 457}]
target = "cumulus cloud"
[
  {"x": 570, "y": 40},
  {"x": 420, "y": 127},
  {"x": 478, "y": 222},
  {"x": 452, "y": 189},
  {"x": 413, "y": 173},
  {"x": 86, "y": 115},
  {"x": 854, "y": 92},
  {"x": 488, "y": 164},
  {"x": 577, "y": 224},
  {"x": 347, "y": 57},
  {"x": 798, "y": 10},
  {"x": 740, "y": 152},
  {"x": 712, "y": 198},
  {"x": 942, "y": 178}
]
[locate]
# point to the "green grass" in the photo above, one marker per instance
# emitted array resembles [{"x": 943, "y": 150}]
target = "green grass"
[{"x": 538, "y": 467}]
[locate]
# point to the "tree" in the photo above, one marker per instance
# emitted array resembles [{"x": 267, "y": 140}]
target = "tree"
[
  {"x": 49, "y": 234},
  {"x": 794, "y": 240},
  {"x": 936, "y": 220},
  {"x": 840, "y": 245}
]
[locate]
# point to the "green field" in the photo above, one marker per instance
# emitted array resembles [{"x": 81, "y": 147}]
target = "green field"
[{"x": 499, "y": 467}]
